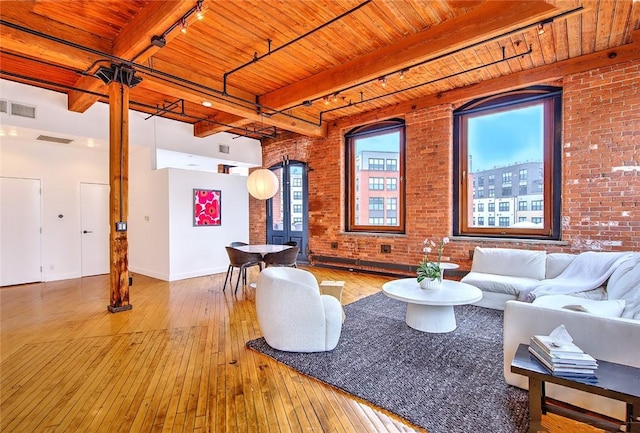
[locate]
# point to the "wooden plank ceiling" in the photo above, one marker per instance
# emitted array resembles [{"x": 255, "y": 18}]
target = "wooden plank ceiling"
[{"x": 294, "y": 65}]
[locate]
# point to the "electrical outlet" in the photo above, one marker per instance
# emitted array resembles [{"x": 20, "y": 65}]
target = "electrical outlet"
[
  {"x": 121, "y": 226},
  {"x": 385, "y": 248},
  {"x": 334, "y": 245}
]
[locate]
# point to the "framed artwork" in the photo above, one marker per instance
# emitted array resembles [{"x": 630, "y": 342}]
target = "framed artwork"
[{"x": 207, "y": 207}]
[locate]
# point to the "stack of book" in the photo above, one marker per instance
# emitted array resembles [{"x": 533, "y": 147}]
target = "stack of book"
[{"x": 564, "y": 360}]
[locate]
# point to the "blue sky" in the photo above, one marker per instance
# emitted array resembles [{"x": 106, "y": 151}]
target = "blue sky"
[
  {"x": 506, "y": 138},
  {"x": 495, "y": 140}
]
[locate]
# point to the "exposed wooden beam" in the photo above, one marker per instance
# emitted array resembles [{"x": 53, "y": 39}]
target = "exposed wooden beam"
[
  {"x": 20, "y": 13},
  {"x": 133, "y": 41},
  {"x": 14, "y": 40},
  {"x": 516, "y": 80},
  {"x": 237, "y": 108},
  {"x": 488, "y": 20}
]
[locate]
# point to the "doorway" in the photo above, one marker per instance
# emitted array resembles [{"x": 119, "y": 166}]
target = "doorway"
[
  {"x": 94, "y": 214},
  {"x": 20, "y": 233},
  {"x": 287, "y": 210}
]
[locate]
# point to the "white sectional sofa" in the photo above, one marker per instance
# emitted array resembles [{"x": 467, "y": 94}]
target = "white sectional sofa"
[
  {"x": 608, "y": 330},
  {"x": 502, "y": 273}
]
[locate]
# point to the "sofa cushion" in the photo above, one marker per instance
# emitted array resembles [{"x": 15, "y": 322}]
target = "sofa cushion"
[
  {"x": 499, "y": 283},
  {"x": 624, "y": 284},
  {"x": 557, "y": 262},
  {"x": 510, "y": 262},
  {"x": 609, "y": 308}
]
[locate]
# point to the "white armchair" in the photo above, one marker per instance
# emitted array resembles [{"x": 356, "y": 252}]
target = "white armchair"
[{"x": 292, "y": 314}]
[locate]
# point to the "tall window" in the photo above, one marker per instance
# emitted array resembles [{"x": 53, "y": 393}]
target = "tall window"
[
  {"x": 516, "y": 132},
  {"x": 375, "y": 155}
]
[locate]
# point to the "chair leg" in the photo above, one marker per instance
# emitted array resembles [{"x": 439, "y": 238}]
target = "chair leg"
[
  {"x": 238, "y": 280},
  {"x": 230, "y": 268}
]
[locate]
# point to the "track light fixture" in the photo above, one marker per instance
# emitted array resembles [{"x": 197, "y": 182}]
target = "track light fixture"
[
  {"x": 326, "y": 100},
  {"x": 383, "y": 81},
  {"x": 541, "y": 30},
  {"x": 184, "y": 25},
  {"x": 402, "y": 73},
  {"x": 199, "y": 11}
]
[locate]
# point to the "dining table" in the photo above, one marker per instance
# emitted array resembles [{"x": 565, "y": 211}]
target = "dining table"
[{"x": 263, "y": 248}]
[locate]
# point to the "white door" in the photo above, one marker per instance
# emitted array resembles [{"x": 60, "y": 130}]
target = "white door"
[
  {"x": 20, "y": 249},
  {"x": 94, "y": 204}
]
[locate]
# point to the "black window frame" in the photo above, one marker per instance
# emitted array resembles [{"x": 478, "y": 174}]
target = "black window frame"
[
  {"x": 366, "y": 131},
  {"x": 551, "y": 98}
]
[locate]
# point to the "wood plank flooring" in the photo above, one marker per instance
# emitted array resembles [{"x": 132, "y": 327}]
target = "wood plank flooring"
[{"x": 176, "y": 362}]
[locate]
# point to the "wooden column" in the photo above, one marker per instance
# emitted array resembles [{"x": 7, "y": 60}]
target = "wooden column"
[{"x": 119, "y": 195}]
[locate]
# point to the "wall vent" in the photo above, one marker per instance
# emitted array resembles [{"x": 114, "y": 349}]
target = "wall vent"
[
  {"x": 23, "y": 110},
  {"x": 223, "y": 148},
  {"x": 54, "y": 139},
  {"x": 3, "y": 106}
]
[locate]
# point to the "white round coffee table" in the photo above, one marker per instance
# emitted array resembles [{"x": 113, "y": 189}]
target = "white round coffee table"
[{"x": 431, "y": 310}]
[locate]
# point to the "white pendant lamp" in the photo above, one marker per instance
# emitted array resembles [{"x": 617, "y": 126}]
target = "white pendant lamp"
[{"x": 262, "y": 184}]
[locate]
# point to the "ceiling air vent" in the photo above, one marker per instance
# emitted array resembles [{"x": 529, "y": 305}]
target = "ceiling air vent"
[
  {"x": 54, "y": 139},
  {"x": 23, "y": 110},
  {"x": 3, "y": 106},
  {"x": 223, "y": 148}
]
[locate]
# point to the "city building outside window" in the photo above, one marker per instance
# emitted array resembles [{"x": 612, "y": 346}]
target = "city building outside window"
[
  {"x": 492, "y": 221},
  {"x": 392, "y": 184},
  {"x": 480, "y": 207},
  {"x": 375, "y": 157},
  {"x": 503, "y": 206},
  {"x": 503, "y": 221},
  {"x": 376, "y": 184},
  {"x": 492, "y": 207},
  {"x": 515, "y": 133}
]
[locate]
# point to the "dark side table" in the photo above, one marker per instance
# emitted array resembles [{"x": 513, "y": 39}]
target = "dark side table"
[{"x": 616, "y": 381}]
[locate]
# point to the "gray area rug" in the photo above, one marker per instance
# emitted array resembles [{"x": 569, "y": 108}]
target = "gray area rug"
[{"x": 445, "y": 383}]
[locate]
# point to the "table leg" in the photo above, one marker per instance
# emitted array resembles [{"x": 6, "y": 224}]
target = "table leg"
[
  {"x": 536, "y": 395},
  {"x": 633, "y": 417},
  {"x": 429, "y": 318}
]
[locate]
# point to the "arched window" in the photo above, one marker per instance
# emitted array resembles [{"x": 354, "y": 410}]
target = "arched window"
[
  {"x": 507, "y": 150},
  {"x": 375, "y": 175}
]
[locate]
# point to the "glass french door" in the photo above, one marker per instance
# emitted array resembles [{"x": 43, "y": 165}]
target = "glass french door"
[{"x": 287, "y": 210}]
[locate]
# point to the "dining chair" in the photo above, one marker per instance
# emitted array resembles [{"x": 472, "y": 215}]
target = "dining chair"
[
  {"x": 286, "y": 257},
  {"x": 241, "y": 260},
  {"x": 238, "y": 244}
]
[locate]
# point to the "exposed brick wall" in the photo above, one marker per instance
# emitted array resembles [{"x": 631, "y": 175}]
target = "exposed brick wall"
[{"x": 600, "y": 170}]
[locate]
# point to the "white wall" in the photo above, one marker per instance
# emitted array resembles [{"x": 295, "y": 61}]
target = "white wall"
[
  {"x": 148, "y": 218},
  {"x": 60, "y": 169},
  {"x": 197, "y": 251},
  {"x": 162, "y": 240}
]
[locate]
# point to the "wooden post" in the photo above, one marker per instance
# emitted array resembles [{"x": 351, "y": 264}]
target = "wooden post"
[{"x": 119, "y": 195}]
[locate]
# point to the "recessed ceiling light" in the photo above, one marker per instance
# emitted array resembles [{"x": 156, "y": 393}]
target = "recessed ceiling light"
[
  {"x": 206, "y": 103},
  {"x": 90, "y": 143}
]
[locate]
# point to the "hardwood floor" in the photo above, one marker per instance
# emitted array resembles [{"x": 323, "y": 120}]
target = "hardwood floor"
[{"x": 176, "y": 362}]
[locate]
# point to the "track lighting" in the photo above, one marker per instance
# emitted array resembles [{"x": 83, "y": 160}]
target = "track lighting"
[
  {"x": 184, "y": 25},
  {"x": 540, "y": 30},
  {"x": 326, "y": 100},
  {"x": 383, "y": 81},
  {"x": 404, "y": 71},
  {"x": 335, "y": 97},
  {"x": 199, "y": 11}
]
